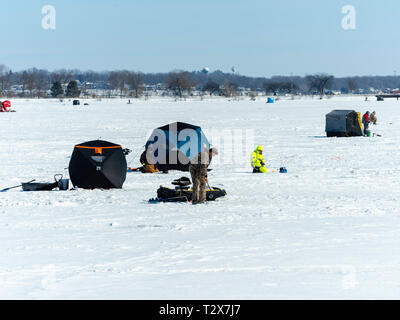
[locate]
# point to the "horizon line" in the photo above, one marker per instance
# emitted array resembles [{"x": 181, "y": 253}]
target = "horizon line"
[{"x": 210, "y": 72}]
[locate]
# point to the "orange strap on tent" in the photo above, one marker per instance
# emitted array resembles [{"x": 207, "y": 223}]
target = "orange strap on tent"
[{"x": 98, "y": 150}]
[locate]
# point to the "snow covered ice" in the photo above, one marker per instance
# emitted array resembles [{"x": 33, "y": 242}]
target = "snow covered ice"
[{"x": 328, "y": 229}]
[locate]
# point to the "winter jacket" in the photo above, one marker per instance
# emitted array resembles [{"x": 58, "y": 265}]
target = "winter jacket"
[
  {"x": 373, "y": 118},
  {"x": 365, "y": 119},
  {"x": 257, "y": 160},
  {"x": 200, "y": 163}
]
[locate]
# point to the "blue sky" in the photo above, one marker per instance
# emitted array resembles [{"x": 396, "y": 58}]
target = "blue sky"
[{"x": 259, "y": 37}]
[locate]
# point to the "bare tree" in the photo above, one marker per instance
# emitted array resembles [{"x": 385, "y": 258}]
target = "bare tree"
[
  {"x": 42, "y": 81},
  {"x": 123, "y": 87},
  {"x": 118, "y": 81},
  {"x": 113, "y": 80},
  {"x": 135, "y": 83},
  {"x": 211, "y": 87},
  {"x": 230, "y": 89},
  {"x": 351, "y": 84},
  {"x": 30, "y": 82},
  {"x": 180, "y": 82},
  {"x": 5, "y": 79},
  {"x": 276, "y": 87},
  {"x": 62, "y": 76},
  {"x": 319, "y": 82},
  {"x": 35, "y": 81},
  {"x": 27, "y": 81}
]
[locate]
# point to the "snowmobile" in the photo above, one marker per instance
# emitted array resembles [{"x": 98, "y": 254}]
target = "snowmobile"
[{"x": 183, "y": 193}]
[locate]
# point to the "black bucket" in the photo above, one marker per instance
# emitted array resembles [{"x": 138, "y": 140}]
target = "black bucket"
[{"x": 63, "y": 184}]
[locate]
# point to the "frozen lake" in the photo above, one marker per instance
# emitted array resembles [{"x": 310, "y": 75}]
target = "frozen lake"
[{"x": 328, "y": 229}]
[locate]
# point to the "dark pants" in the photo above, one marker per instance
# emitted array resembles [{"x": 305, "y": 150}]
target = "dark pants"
[
  {"x": 366, "y": 127},
  {"x": 199, "y": 183}
]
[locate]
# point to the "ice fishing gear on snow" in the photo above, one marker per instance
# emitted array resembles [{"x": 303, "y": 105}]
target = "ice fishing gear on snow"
[
  {"x": 6, "y": 189},
  {"x": 63, "y": 184},
  {"x": 273, "y": 170},
  {"x": 126, "y": 151},
  {"x": 183, "y": 193},
  {"x": 59, "y": 182},
  {"x": 39, "y": 186},
  {"x": 130, "y": 161}
]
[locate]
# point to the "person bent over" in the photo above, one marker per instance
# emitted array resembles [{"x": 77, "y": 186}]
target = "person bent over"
[
  {"x": 198, "y": 171},
  {"x": 4, "y": 106},
  {"x": 148, "y": 161},
  {"x": 257, "y": 161}
]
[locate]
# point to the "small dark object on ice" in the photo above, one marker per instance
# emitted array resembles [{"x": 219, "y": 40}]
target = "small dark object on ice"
[
  {"x": 126, "y": 151},
  {"x": 6, "y": 189},
  {"x": 59, "y": 182},
  {"x": 39, "y": 186}
]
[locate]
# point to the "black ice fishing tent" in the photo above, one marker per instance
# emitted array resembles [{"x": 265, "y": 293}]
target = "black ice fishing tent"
[
  {"x": 343, "y": 123},
  {"x": 98, "y": 165},
  {"x": 171, "y": 147}
]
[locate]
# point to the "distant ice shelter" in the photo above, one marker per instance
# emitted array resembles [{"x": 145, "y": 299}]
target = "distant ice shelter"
[{"x": 343, "y": 123}]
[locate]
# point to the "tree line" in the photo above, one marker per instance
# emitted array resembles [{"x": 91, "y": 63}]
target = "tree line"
[{"x": 74, "y": 83}]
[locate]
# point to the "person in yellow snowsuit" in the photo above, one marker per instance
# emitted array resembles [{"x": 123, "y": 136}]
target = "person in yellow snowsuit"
[{"x": 257, "y": 161}]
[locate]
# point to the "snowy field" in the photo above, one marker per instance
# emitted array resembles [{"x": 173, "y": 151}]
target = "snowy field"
[{"x": 328, "y": 229}]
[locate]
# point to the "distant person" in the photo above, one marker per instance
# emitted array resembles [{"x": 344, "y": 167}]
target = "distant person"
[
  {"x": 198, "y": 171},
  {"x": 5, "y": 105},
  {"x": 373, "y": 118},
  {"x": 365, "y": 122},
  {"x": 257, "y": 161},
  {"x": 366, "y": 98}
]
